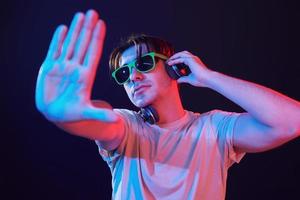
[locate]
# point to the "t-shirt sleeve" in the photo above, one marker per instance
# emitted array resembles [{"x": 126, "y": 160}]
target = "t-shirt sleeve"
[
  {"x": 113, "y": 155},
  {"x": 224, "y": 123}
]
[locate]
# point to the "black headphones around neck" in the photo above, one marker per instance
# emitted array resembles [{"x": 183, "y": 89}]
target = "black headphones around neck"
[{"x": 148, "y": 113}]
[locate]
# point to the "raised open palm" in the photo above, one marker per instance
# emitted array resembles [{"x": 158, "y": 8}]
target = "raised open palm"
[{"x": 66, "y": 77}]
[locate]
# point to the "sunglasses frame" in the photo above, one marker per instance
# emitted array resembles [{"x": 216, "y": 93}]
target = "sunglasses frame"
[{"x": 132, "y": 64}]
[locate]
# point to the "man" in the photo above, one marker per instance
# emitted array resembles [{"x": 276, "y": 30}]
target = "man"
[{"x": 183, "y": 155}]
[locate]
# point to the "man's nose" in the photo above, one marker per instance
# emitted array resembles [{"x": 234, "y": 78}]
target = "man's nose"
[{"x": 135, "y": 75}]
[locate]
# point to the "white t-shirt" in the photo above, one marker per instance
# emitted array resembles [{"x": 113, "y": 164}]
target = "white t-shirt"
[{"x": 185, "y": 159}]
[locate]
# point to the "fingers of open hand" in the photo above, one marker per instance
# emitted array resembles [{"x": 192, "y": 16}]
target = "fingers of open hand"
[
  {"x": 85, "y": 35},
  {"x": 72, "y": 36},
  {"x": 82, "y": 42},
  {"x": 79, "y": 46},
  {"x": 94, "y": 50},
  {"x": 56, "y": 42}
]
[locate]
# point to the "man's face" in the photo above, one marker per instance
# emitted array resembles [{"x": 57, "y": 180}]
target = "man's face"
[{"x": 145, "y": 88}]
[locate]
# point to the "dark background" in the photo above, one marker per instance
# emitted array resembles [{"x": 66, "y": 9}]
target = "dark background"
[{"x": 253, "y": 40}]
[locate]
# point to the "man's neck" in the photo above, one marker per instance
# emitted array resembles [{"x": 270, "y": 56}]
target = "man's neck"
[{"x": 169, "y": 109}]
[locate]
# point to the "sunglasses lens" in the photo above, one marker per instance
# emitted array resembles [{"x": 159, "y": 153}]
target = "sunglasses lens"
[
  {"x": 122, "y": 74},
  {"x": 145, "y": 64}
]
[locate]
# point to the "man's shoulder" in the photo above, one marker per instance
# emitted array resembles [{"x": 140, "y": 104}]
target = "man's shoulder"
[
  {"x": 213, "y": 115},
  {"x": 124, "y": 111},
  {"x": 207, "y": 113},
  {"x": 216, "y": 117},
  {"x": 130, "y": 116}
]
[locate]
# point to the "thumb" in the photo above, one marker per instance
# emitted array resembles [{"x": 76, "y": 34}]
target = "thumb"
[{"x": 183, "y": 79}]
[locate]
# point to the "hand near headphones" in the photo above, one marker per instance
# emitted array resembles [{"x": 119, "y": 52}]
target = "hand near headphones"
[{"x": 199, "y": 72}]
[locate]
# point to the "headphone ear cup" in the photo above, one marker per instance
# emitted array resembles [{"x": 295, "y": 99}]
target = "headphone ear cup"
[
  {"x": 171, "y": 71},
  {"x": 149, "y": 114},
  {"x": 177, "y": 71}
]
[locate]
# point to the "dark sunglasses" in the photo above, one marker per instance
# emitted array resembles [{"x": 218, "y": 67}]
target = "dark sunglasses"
[{"x": 145, "y": 64}]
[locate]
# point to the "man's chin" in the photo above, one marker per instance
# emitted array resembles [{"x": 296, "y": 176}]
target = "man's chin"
[{"x": 141, "y": 104}]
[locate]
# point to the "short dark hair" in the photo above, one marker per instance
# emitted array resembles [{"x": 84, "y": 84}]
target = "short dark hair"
[{"x": 152, "y": 43}]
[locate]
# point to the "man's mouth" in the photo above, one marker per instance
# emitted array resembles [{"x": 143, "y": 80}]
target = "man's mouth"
[{"x": 139, "y": 89}]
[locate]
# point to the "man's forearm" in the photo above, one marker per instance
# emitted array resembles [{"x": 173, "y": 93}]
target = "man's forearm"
[{"x": 267, "y": 106}]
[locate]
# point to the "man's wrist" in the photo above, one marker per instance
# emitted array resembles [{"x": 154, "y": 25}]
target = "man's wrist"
[{"x": 209, "y": 78}]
